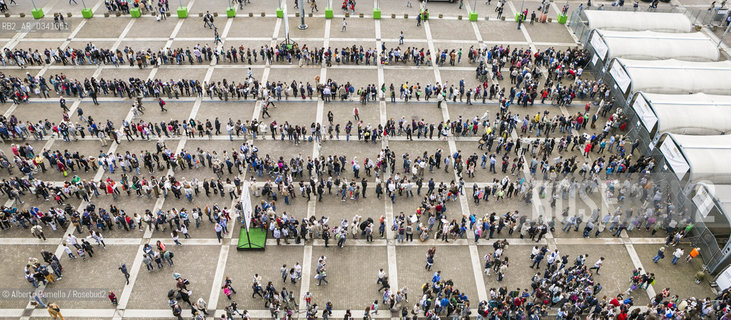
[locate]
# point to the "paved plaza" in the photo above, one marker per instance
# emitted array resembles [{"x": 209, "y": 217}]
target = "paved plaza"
[{"x": 353, "y": 269}]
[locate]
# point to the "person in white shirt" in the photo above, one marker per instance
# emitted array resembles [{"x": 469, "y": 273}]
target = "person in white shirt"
[{"x": 597, "y": 265}]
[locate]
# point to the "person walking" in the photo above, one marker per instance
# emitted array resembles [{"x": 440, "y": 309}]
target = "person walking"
[
  {"x": 284, "y": 272},
  {"x": 660, "y": 255},
  {"x": 322, "y": 276},
  {"x": 62, "y": 102},
  {"x": 381, "y": 275},
  {"x": 218, "y": 228},
  {"x": 125, "y": 272},
  {"x": 162, "y": 103},
  {"x": 54, "y": 311},
  {"x": 384, "y": 284},
  {"x": 345, "y": 25},
  {"x": 37, "y": 231},
  {"x": 227, "y": 284},
  {"x": 597, "y": 265},
  {"x": 693, "y": 253}
]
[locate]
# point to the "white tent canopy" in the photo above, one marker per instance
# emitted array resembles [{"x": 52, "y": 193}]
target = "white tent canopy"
[
  {"x": 691, "y": 114},
  {"x": 720, "y": 193},
  {"x": 698, "y": 158},
  {"x": 638, "y": 21},
  {"x": 671, "y": 76},
  {"x": 650, "y": 45}
]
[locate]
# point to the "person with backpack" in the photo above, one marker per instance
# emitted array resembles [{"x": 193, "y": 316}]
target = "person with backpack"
[{"x": 162, "y": 103}]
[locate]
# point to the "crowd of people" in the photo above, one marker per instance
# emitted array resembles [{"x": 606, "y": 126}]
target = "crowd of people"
[{"x": 561, "y": 155}]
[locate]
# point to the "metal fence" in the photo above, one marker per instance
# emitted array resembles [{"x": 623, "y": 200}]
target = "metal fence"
[
  {"x": 714, "y": 257},
  {"x": 679, "y": 193}
]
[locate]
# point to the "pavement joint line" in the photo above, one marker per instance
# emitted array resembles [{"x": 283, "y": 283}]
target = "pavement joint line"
[
  {"x": 59, "y": 252},
  {"x": 320, "y": 103},
  {"x": 178, "y": 25},
  {"x": 267, "y": 70},
  {"x": 478, "y": 36},
  {"x": 637, "y": 262},
  {"x": 192, "y": 99},
  {"x": 474, "y": 255},
  {"x": 261, "y": 183},
  {"x": 315, "y": 39},
  {"x": 306, "y": 276},
  {"x": 312, "y": 204},
  {"x": 20, "y": 36},
  {"x": 124, "y": 34},
  {"x": 137, "y": 262},
  {"x": 68, "y": 40},
  {"x": 523, "y": 29},
  {"x": 223, "y": 255},
  {"x": 383, "y": 115},
  {"x": 174, "y": 67},
  {"x": 10, "y": 110},
  {"x": 356, "y": 242},
  {"x": 566, "y": 25},
  {"x": 167, "y": 313}
]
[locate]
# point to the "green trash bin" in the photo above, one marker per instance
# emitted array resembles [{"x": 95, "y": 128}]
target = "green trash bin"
[
  {"x": 473, "y": 16},
  {"x": 280, "y": 13},
  {"x": 517, "y": 16},
  {"x": 37, "y": 13},
  {"x": 182, "y": 12},
  {"x": 376, "y": 13},
  {"x": 328, "y": 13},
  {"x": 135, "y": 12},
  {"x": 87, "y": 13},
  {"x": 231, "y": 12},
  {"x": 562, "y": 18}
]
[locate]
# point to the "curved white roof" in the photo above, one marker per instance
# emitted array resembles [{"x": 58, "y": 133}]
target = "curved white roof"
[
  {"x": 691, "y": 114},
  {"x": 696, "y": 99},
  {"x": 650, "y": 45},
  {"x": 672, "y": 76},
  {"x": 705, "y": 157},
  {"x": 638, "y": 21}
]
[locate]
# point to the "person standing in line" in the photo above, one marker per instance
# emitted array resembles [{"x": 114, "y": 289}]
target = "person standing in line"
[
  {"x": 218, "y": 228},
  {"x": 123, "y": 268},
  {"x": 677, "y": 255}
]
